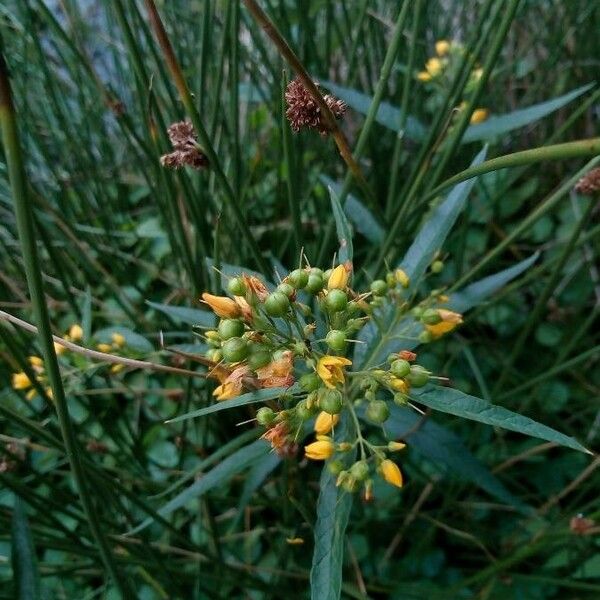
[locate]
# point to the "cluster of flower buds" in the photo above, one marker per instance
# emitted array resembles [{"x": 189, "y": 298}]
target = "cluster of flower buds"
[
  {"x": 440, "y": 69},
  {"x": 299, "y": 333}
]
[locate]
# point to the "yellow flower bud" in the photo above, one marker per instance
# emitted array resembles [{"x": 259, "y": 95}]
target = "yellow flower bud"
[
  {"x": 325, "y": 422},
  {"x": 450, "y": 320},
  {"x": 338, "y": 280},
  {"x": 395, "y": 446},
  {"x": 31, "y": 394},
  {"x": 402, "y": 278},
  {"x": 391, "y": 473},
  {"x": 117, "y": 368},
  {"x": 118, "y": 339},
  {"x": 322, "y": 449},
  {"x": 399, "y": 385},
  {"x": 49, "y": 393},
  {"x": 104, "y": 347},
  {"x": 296, "y": 541},
  {"x": 20, "y": 381},
  {"x": 75, "y": 333},
  {"x": 222, "y": 306},
  {"x": 36, "y": 362},
  {"x": 479, "y": 115},
  {"x": 442, "y": 47},
  {"x": 434, "y": 66},
  {"x": 423, "y": 76}
]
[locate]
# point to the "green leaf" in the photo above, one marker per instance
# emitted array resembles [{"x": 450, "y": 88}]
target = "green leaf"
[
  {"x": 344, "y": 231},
  {"x": 221, "y": 474},
  {"x": 361, "y": 217},
  {"x": 132, "y": 340},
  {"x": 249, "y": 398},
  {"x": 455, "y": 402},
  {"x": 24, "y": 560},
  {"x": 446, "y": 450},
  {"x": 182, "y": 314},
  {"x": 387, "y": 115},
  {"x": 495, "y": 126},
  {"x": 333, "y": 512},
  {"x": 478, "y": 292}
]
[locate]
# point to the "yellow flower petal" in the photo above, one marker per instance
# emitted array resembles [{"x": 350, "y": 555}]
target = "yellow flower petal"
[
  {"x": 338, "y": 280},
  {"x": 118, "y": 339},
  {"x": 423, "y": 76},
  {"x": 331, "y": 370},
  {"x": 479, "y": 115},
  {"x": 325, "y": 422},
  {"x": 75, "y": 333},
  {"x": 391, "y": 473},
  {"x": 20, "y": 381},
  {"x": 222, "y": 306},
  {"x": 434, "y": 66},
  {"x": 322, "y": 449},
  {"x": 442, "y": 47}
]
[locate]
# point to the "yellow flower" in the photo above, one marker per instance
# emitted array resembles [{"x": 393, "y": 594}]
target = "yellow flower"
[
  {"x": 402, "y": 278},
  {"x": 31, "y": 394},
  {"x": 37, "y": 363},
  {"x": 423, "y": 76},
  {"x": 296, "y": 541},
  {"x": 338, "y": 280},
  {"x": 75, "y": 333},
  {"x": 400, "y": 385},
  {"x": 20, "y": 381},
  {"x": 479, "y": 115},
  {"x": 222, "y": 306},
  {"x": 450, "y": 320},
  {"x": 118, "y": 339},
  {"x": 395, "y": 446},
  {"x": 322, "y": 449},
  {"x": 117, "y": 368},
  {"x": 391, "y": 472},
  {"x": 442, "y": 47},
  {"x": 228, "y": 390},
  {"x": 331, "y": 370},
  {"x": 433, "y": 66},
  {"x": 49, "y": 393},
  {"x": 104, "y": 347},
  {"x": 325, "y": 422},
  {"x": 59, "y": 349}
]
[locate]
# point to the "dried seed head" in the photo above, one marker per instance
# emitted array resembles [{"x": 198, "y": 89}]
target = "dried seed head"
[
  {"x": 185, "y": 148},
  {"x": 303, "y": 111},
  {"x": 589, "y": 184}
]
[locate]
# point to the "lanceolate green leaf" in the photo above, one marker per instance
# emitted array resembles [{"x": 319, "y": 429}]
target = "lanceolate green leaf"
[
  {"x": 249, "y": 398},
  {"x": 455, "y": 402},
  {"x": 220, "y": 475},
  {"x": 24, "y": 562},
  {"x": 344, "y": 231},
  {"x": 182, "y": 314},
  {"x": 495, "y": 126},
  {"x": 333, "y": 511}
]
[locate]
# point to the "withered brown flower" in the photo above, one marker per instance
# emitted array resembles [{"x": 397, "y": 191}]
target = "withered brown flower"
[
  {"x": 303, "y": 111},
  {"x": 589, "y": 184},
  {"x": 185, "y": 148}
]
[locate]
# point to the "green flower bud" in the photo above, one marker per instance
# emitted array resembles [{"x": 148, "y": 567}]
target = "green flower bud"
[
  {"x": 417, "y": 312},
  {"x": 298, "y": 278},
  {"x": 314, "y": 284},
  {"x": 350, "y": 484},
  {"x": 265, "y": 416},
  {"x": 418, "y": 376},
  {"x": 400, "y": 399},
  {"x": 235, "y": 350},
  {"x": 335, "y": 466},
  {"x": 214, "y": 354},
  {"x": 391, "y": 357},
  {"x": 336, "y": 300},
  {"x": 331, "y": 401},
  {"x": 299, "y": 349},
  {"x": 379, "y": 287},
  {"x": 354, "y": 324},
  {"x": 378, "y": 411},
  {"x": 353, "y": 307},
  {"x": 229, "y": 328},
  {"x": 360, "y": 470},
  {"x": 336, "y": 340},
  {"x": 400, "y": 368},
  {"x": 431, "y": 316},
  {"x": 437, "y": 266},
  {"x": 390, "y": 279},
  {"x": 310, "y": 382},
  {"x": 212, "y": 335},
  {"x": 236, "y": 286},
  {"x": 277, "y": 304},
  {"x": 327, "y": 274},
  {"x": 425, "y": 337},
  {"x": 258, "y": 358},
  {"x": 287, "y": 289},
  {"x": 303, "y": 411}
]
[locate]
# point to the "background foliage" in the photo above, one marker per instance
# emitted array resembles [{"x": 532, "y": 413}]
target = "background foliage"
[{"x": 485, "y": 513}]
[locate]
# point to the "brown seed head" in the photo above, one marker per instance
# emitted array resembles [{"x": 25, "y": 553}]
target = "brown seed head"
[
  {"x": 589, "y": 184},
  {"x": 185, "y": 148}
]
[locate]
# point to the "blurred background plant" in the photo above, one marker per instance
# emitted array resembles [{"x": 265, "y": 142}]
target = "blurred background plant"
[{"x": 126, "y": 246}]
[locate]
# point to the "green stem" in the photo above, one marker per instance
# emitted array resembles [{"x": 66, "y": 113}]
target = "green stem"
[{"x": 24, "y": 218}]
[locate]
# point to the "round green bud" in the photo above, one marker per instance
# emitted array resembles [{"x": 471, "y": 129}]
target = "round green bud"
[
  {"x": 336, "y": 300},
  {"x": 299, "y": 348},
  {"x": 353, "y": 307},
  {"x": 310, "y": 382},
  {"x": 400, "y": 368},
  {"x": 229, "y": 328},
  {"x": 360, "y": 470},
  {"x": 335, "y": 466},
  {"x": 265, "y": 416},
  {"x": 418, "y": 376},
  {"x": 298, "y": 278},
  {"x": 354, "y": 324},
  {"x": 379, "y": 287},
  {"x": 400, "y": 399},
  {"x": 235, "y": 350},
  {"x": 316, "y": 271},
  {"x": 303, "y": 411},
  {"x": 277, "y": 304},
  {"x": 331, "y": 401},
  {"x": 378, "y": 411},
  {"x": 287, "y": 289},
  {"x": 236, "y": 286},
  {"x": 417, "y": 312},
  {"x": 437, "y": 266},
  {"x": 214, "y": 354},
  {"x": 431, "y": 316},
  {"x": 258, "y": 358},
  {"x": 327, "y": 274},
  {"x": 390, "y": 279},
  {"x": 336, "y": 340},
  {"x": 391, "y": 357},
  {"x": 314, "y": 284},
  {"x": 425, "y": 337}
]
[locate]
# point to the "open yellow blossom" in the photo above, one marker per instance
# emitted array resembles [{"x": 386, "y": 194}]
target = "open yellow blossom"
[
  {"x": 325, "y": 422},
  {"x": 442, "y": 47},
  {"x": 222, "y": 306},
  {"x": 433, "y": 66},
  {"x": 20, "y": 381},
  {"x": 75, "y": 333},
  {"x": 228, "y": 390},
  {"x": 450, "y": 320},
  {"x": 479, "y": 115},
  {"x": 423, "y": 76},
  {"x": 391, "y": 472},
  {"x": 118, "y": 339},
  {"x": 37, "y": 363},
  {"x": 331, "y": 370},
  {"x": 402, "y": 278},
  {"x": 338, "y": 280},
  {"x": 322, "y": 449}
]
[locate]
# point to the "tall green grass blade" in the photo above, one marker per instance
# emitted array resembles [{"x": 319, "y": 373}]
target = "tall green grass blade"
[{"x": 24, "y": 560}]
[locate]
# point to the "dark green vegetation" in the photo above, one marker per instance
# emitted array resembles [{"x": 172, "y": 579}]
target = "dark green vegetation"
[{"x": 107, "y": 496}]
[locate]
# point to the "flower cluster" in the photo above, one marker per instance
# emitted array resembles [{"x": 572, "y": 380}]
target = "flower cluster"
[
  {"x": 296, "y": 336},
  {"x": 441, "y": 68},
  {"x": 186, "y": 150}
]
